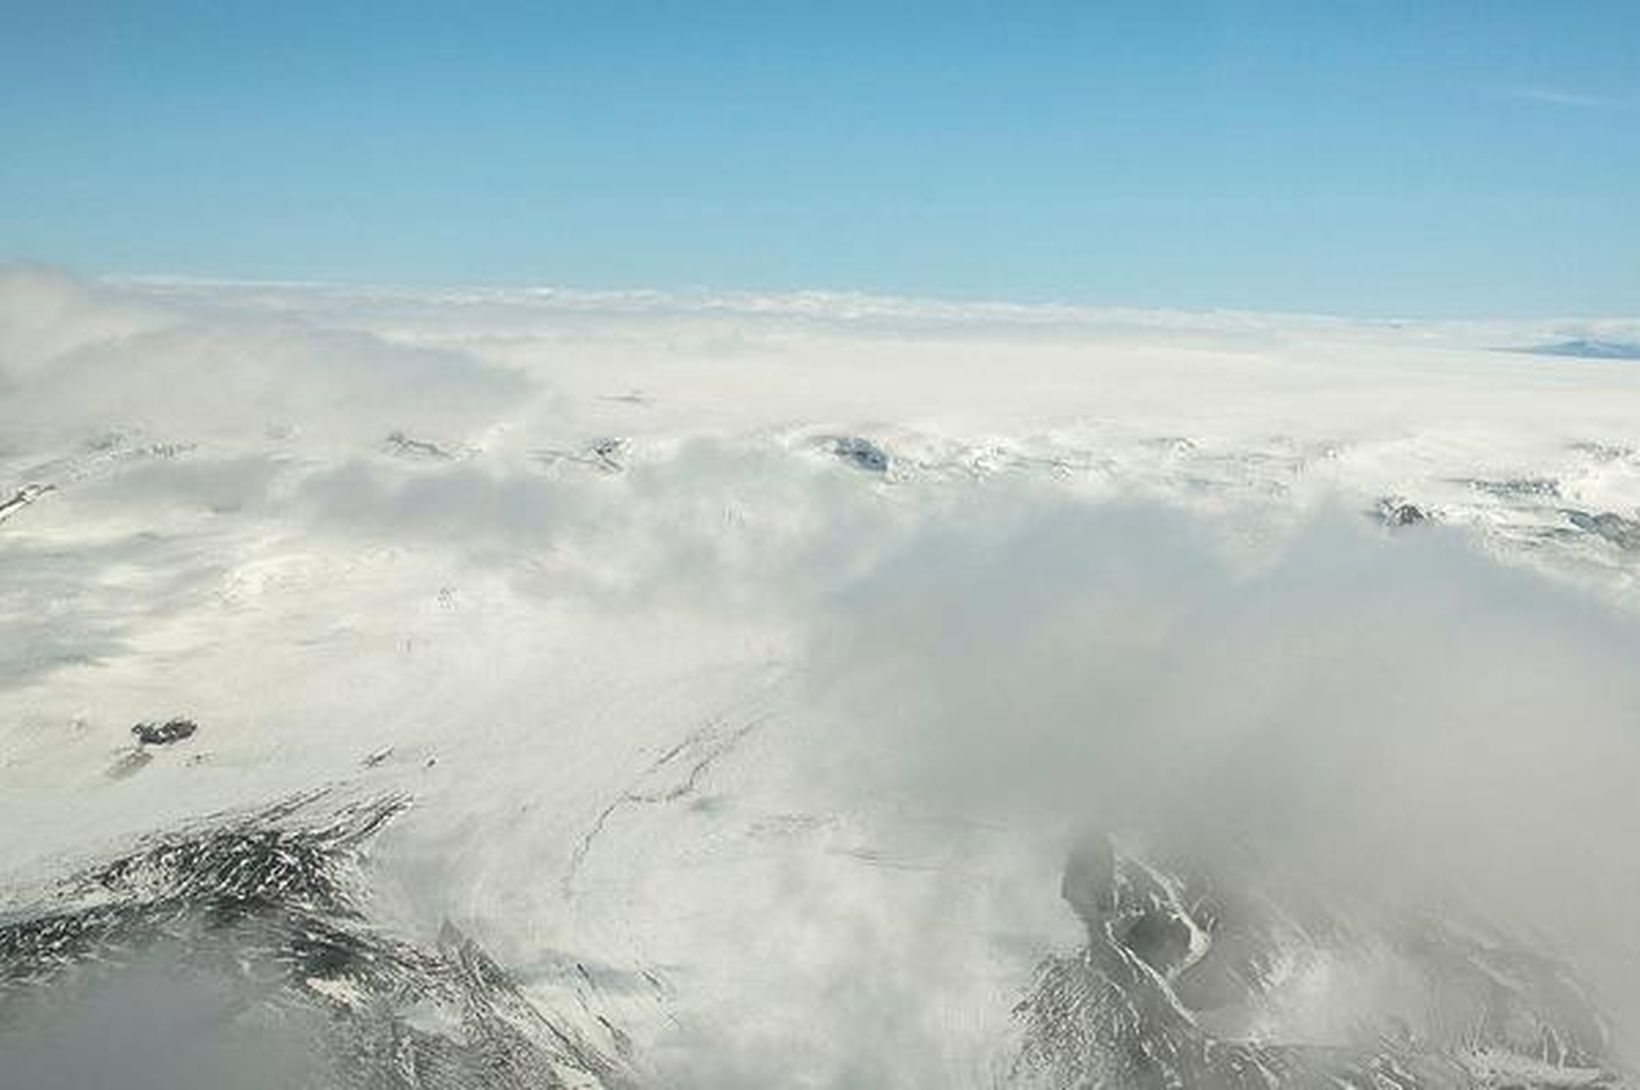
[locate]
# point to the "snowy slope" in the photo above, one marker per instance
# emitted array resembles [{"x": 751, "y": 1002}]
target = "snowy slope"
[{"x": 741, "y": 673}]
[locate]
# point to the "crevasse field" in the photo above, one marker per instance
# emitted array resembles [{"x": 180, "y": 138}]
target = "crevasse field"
[{"x": 715, "y": 691}]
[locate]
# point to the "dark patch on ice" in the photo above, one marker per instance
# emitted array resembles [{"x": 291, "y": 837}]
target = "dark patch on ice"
[
  {"x": 1587, "y": 348},
  {"x": 24, "y": 496},
  {"x": 1620, "y": 531},
  {"x": 164, "y": 734},
  {"x": 860, "y": 453},
  {"x": 1603, "y": 452},
  {"x": 129, "y": 763},
  {"x": 1518, "y": 487},
  {"x": 268, "y": 908},
  {"x": 406, "y": 447},
  {"x": 605, "y": 454},
  {"x": 1398, "y": 513}
]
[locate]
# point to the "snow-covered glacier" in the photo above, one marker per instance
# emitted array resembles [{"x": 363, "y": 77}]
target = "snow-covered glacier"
[{"x": 533, "y": 688}]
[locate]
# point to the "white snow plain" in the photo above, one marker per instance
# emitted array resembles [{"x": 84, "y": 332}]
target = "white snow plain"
[{"x": 765, "y": 753}]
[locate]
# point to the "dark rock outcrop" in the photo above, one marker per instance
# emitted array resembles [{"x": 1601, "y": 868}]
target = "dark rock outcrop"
[
  {"x": 1397, "y": 513},
  {"x": 267, "y": 907},
  {"x": 1181, "y": 985},
  {"x": 164, "y": 734},
  {"x": 1620, "y": 531},
  {"x": 861, "y": 453}
]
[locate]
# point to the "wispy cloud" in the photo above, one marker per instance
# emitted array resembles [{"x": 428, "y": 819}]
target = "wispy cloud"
[{"x": 1577, "y": 100}]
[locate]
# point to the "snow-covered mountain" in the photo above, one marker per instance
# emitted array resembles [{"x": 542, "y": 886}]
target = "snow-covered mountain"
[{"x": 537, "y": 688}]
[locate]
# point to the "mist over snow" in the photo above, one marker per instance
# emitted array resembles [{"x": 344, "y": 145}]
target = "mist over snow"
[{"x": 714, "y": 690}]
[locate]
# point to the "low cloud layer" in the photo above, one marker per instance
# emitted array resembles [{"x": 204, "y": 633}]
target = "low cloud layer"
[
  {"x": 85, "y": 364},
  {"x": 1403, "y": 714},
  {"x": 1392, "y": 729}
]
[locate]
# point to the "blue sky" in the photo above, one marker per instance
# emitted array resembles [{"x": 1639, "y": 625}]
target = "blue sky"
[{"x": 1411, "y": 158}]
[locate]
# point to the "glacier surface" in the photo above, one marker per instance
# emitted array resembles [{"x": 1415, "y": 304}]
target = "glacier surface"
[{"x": 415, "y": 688}]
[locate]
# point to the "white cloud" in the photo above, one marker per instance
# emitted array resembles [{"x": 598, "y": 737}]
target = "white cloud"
[
  {"x": 86, "y": 363},
  {"x": 1578, "y": 100}
]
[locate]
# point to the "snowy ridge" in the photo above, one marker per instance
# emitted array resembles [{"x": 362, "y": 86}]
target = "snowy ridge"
[{"x": 1132, "y": 1008}]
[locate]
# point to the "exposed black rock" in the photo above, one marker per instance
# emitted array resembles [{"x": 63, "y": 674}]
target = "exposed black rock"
[
  {"x": 163, "y": 734},
  {"x": 1620, "y": 531},
  {"x": 1396, "y": 513},
  {"x": 1177, "y": 978},
  {"x": 606, "y": 453},
  {"x": 267, "y": 906},
  {"x": 22, "y": 498},
  {"x": 860, "y": 453},
  {"x": 1519, "y": 487}
]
